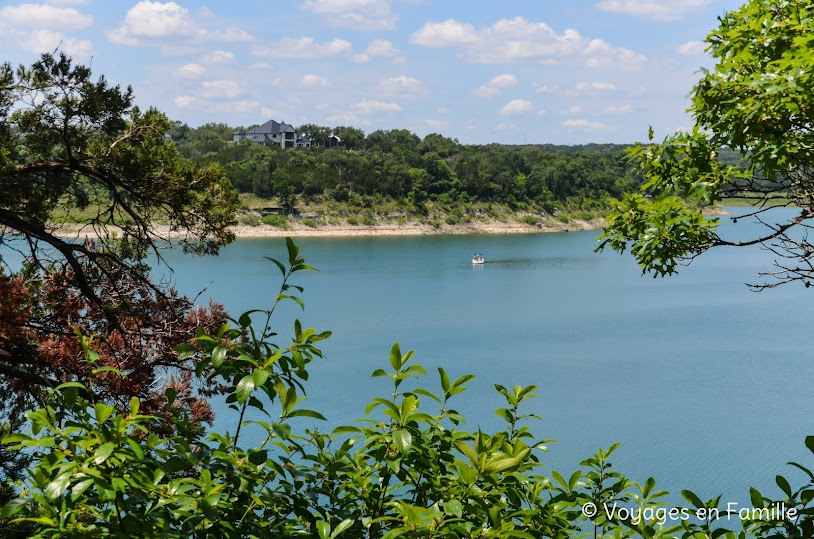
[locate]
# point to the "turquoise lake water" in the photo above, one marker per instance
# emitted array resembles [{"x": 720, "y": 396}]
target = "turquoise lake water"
[{"x": 707, "y": 384}]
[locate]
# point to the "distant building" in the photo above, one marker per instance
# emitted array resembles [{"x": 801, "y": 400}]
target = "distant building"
[{"x": 273, "y": 133}]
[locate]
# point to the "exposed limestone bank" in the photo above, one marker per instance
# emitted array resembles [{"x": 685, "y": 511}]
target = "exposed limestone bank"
[{"x": 296, "y": 229}]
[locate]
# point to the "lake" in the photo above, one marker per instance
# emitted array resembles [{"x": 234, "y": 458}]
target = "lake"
[{"x": 706, "y": 383}]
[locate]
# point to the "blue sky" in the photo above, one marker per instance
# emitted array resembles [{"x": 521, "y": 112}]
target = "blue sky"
[{"x": 511, "y": 71}]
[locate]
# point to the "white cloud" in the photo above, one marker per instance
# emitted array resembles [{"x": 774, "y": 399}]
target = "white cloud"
[
  {"x": 504, "y": 81},
  {"x": 40, "y": 41},
  {"x": 148, "y": 21},
  {"x": 593, "y": 88},
  {"x": 576, "y": 109},
  {"x": 233, "y": 107},
  {"x": 436, "y": 124},
  {"x": 691, "y": 48},
  {"x": 579, "y": 123},
  {"x": 513, "y": 40},
  {"x": 313, "y": 80},
  {"x": 369, "y": 107},
  {"x": 44, "y": 17},
  {"x": 486, "y": 91},
  {"x": 191, "y": 71},
  {"x": 67, "y": 2},
  {"x": 355, "y": 14},
  {"x": 304, "y": 47},
  {"x": 619, "y": 109},
  {"x": 505, "y": 127},
  {"x": 653, "y": 9},
  {"x": 232, "y": 35},
  {"x": 378, "y": 48},
  {"x": 443, "y": 110},
  {"x": 161, "y": 24},
  {"x": 401, "y": 86},
  {"x": 517, "y": 106},
  {"x": 266, "y": 112},
  {"x": 346, "y": 119},
  {"x": 220, "y": 88},
  {"x": 219, "y": 57},
  {"x": 493, "y": 88}
]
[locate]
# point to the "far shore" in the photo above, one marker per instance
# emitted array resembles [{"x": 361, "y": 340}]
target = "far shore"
[{"x": 297, "y": 229}]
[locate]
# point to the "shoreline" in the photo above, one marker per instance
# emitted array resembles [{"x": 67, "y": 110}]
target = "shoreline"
[{"x": 296, "y": 229}]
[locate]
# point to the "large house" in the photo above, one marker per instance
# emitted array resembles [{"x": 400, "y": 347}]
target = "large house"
[{"x": 273, "y": 133}]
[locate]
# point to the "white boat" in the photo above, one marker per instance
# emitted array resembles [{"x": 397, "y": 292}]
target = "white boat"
[{"x": 477, "y": 258}]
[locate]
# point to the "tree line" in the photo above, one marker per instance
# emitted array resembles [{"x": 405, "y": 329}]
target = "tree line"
[{"x": 402, "y": 166}]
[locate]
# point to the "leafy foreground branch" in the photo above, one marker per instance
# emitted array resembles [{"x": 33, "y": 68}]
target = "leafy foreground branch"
[{"x": 409, "y": 468}]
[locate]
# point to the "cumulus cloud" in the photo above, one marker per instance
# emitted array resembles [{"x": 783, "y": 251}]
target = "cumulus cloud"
[
  {"x": 40, "y": 41},
  {"x": 512, "y": 40},
  {"x": 370, "y": 107},
  {"x": 401, "y": 86},
  {"x": 151, "y": 20},
  {"x": 653, "y": 9},
  {"x": 619, "y": 109},
  {"x": 579, "y": 123},
  {"x": 156, "y": 23},
  {"x": 44, "y": 17},
  {"x": 378, "y": 48},
  {"x": 192, "y": 71},
  {"x": 691, "y": 48},
  {"x": 494, "y": 87},
  {"x": 219, "y": 57},
  {"x": 356, "y": 14},
  {"x": 517, "y": 106},
  {"x": 220, "y": 88},
  {"x": 313, "y": 81},
  {"x": 436, "y": 124},
  {"x": 304, "y": 47},
  {"x": 576, "y": 109}
]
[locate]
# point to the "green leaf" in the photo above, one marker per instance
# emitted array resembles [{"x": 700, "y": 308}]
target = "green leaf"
[
  {"x": 783, "y": 484},
  {"x": 258, "y": 458},
  {"x": 395, "y": 356},
  {"x": 58, "y": 485},
  {"x": 134, "y": 406},
  {"x": 218, "y": 356},
  {"x": 80, "y": 487},
  {"x": 103, "y": 452},
  {"x": 692, "y": 498},
  {"x": 307, "y": 413},
  {"x": 276, "y": 263},
  {"x": 323, "y": 529},
  {"x": 403, "y": 440},
  {"x": 103, "y": 412},
  {"x": 341, "y": 527},
  {"x": 13, "y": 507},
  {"x": 260, "y": 376},
  {"x": 244, "y": 388}
]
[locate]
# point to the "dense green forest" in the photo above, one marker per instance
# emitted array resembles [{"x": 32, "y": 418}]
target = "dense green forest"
[{"x": 400, "y": 166}]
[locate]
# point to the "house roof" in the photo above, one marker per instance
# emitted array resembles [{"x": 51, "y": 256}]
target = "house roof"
[{"x": 270, "y": 128}]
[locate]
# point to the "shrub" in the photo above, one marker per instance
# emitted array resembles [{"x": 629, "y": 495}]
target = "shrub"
[
  {"x": 250, "y": 219},
  {"x": 352, "y": 220},
  {"x": 309, "y": 223},
  {"x": 279, "y": 221}
]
